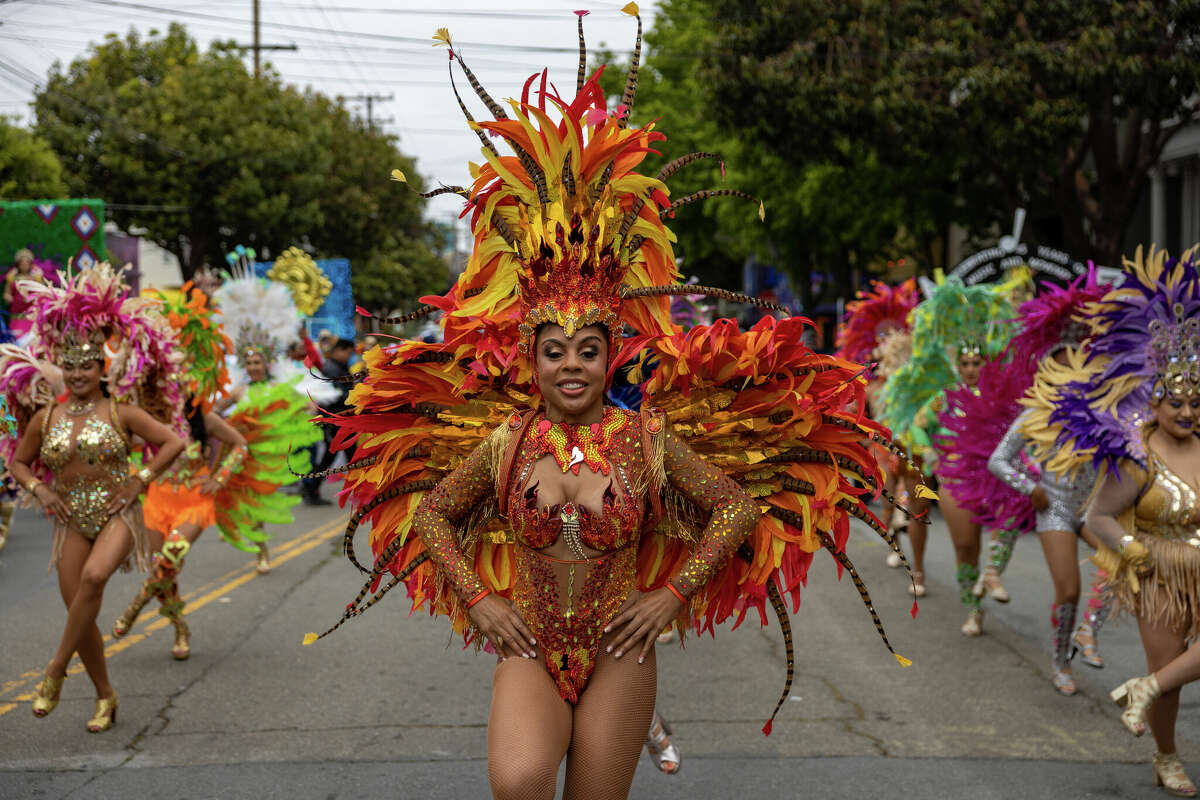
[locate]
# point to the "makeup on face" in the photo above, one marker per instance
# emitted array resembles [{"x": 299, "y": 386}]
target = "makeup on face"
[{"x": 571, "y": 372}]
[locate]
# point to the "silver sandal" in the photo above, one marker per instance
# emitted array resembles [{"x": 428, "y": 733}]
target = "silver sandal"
[{"x": 664, "y": 754}]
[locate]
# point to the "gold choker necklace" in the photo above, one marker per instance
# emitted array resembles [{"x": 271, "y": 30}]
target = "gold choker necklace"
[{"x": 77, "y": 409}]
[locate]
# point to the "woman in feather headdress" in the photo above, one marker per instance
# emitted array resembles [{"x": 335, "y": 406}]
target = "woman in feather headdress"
[
  {"x": 992, "y": 476},
  {"x": 73, "y": 457},
  {"x": 954, "y": 329},
  {"x": 272, "y": 403},
  {"x": 184, "y": 499},
  {"x": 562, "y": 533},
  {"x": 1129, "y": 405}
]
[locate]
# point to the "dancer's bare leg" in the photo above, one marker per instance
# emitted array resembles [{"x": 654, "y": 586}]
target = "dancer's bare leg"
[
  {"x": 76, "y": 550},
  {"x": 111, "y": 548},
  {"x": 1163, "y": 645}
]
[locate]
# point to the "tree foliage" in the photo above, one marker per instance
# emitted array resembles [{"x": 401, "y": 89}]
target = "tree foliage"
[
  {"x": 1060, "y": 106},
  {"x": 29, "y": 169},
  {"x": 826, "y": 212},
  {"x": 209, "y": 156}
]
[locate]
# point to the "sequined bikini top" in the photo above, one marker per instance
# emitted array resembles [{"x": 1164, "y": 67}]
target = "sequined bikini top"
[
  {"x": 1167, "y": 505},
  {"x": 98, "y": 443},
  {"x": 612, "y": 447}
]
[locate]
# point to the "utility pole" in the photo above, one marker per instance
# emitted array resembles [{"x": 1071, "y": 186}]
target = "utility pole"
[
  {"x": 258, "y": 46},
  {"x": 371, "y": 100}
]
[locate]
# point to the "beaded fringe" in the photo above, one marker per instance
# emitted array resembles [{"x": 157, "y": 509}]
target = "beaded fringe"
[
  {"x": 1170, "y": 592},
  {"x": 132, "y": 516}
]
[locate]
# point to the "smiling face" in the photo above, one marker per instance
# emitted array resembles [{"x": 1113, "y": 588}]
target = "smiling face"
[
  {"x": 1177, "y": 415},
  {"x": 83, "y": 379},
  {"x": 571, "y": 372},
  {"x": 969, "y": 365},
  {"x": 256, "y": 368}
]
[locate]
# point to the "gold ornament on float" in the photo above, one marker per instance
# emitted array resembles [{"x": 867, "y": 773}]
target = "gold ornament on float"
[{"x": 296, "y": 270}]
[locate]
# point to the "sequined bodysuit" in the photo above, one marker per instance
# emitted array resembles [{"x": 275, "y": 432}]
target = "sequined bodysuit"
[
  {"x": 89, "y": 457},
  {"x": 1162, "y": 518},
  {"x": 1066, "y": 496},
  {"x": 567, "y": 603}
]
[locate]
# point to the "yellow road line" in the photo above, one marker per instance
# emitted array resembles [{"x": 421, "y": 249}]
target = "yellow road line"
[{"x": 286, "y": 552}]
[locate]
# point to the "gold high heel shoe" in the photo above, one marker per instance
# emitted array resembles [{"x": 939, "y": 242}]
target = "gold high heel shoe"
[
  {"x": 183, "y": 644},
  {"x": 125, "y": 622},
  {"x": 105, "y": 716},
  {"x": 1170, "y": 775},
  {"x": 47, "y": 695},
  {"x": 264, "y": 560},
  {"x": 1137, "y": 695}
]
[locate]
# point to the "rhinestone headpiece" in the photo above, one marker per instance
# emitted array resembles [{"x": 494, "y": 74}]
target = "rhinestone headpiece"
[
  {"x": 1175, "y": 355},
  {"x": 77, "y": 347},
  {"x": 253, "y": 340}
]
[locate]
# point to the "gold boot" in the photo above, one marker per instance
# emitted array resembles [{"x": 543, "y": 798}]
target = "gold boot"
[
  {"x": 126, "y": 620},
  {"x": 183, "y": 641},
  {"x": 264, "y": 559},
  {"x": 47, "y": 695},
  {"x": 1137, "y": 695},
  {"x": 105, "y": 716}
]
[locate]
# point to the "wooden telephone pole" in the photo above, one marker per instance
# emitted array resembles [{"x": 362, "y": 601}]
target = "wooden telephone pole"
[{"x": 258, "y": 46}]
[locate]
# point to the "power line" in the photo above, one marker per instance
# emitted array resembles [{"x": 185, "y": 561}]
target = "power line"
[{"x": 386, "y": 37}]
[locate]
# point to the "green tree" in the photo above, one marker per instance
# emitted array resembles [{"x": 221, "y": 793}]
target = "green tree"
[
  {"x": 29, "y": 169},
  {"x": 826, "y": 212},
  {"x": 1059, "y": 106},
  {"x": 208, "y": 156}
]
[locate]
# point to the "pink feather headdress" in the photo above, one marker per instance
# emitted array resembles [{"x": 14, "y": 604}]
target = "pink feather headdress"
[{"x": 92, "y": 317}]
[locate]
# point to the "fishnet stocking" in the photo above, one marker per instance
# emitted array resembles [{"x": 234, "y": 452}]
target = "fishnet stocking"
[{"x": 531, "y": 729}]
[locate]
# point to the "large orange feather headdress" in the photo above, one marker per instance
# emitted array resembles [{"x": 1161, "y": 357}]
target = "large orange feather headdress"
[{"x": 566, "y": 230}]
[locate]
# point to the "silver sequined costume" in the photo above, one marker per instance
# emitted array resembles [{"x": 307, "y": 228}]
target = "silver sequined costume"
[{"x": 1065, "y": 512}]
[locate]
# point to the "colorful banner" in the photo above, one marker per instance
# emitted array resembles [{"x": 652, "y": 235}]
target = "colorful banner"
[{"x": 61, "y": 231}]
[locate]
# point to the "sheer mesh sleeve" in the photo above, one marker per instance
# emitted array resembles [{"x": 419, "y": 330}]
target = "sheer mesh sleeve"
[
  {"x": 1113, "y": 497},
  {"x": 449, "y": 503},
  {"x": 732, "y": 513},
  {"x": 1005, "y": 461}
]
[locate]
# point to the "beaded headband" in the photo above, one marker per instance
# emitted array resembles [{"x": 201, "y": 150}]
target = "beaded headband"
[
  {"x": 1174, "y": 353},
  {"x": 75, "y": 349},
  {"x": 253, "y": 340}
]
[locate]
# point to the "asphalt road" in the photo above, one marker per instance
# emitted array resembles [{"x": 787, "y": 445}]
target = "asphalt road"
[{"x": 389, "y": 706}]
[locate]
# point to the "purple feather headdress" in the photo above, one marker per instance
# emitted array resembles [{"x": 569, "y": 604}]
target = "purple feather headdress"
[{"x": 1143, "y": 335}]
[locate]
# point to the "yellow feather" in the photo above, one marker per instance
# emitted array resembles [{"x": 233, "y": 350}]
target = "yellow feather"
[
  {"x": 904, "y": 662},
  {"x": 442, "y": 37},
  {"x": 309, "y": 638},
  {"x": 925, "y": 492},
  {"x": 397, "y": 175},
  {"x": 631, "y": 9}
]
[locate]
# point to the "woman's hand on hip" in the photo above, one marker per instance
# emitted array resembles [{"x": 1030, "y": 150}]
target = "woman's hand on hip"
[
  {"x": 642, "y": 622},
  {"x": 501, "y": 625},
  {"x": 52, "y": 503},
  {"x": 128, "y": 492}
]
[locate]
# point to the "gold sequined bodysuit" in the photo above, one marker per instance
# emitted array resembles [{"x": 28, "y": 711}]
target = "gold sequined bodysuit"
[
  {"x": 567, "y": 603},
  {"x": 1161, "y": 519},
  {"x": 89, "y": 457}
]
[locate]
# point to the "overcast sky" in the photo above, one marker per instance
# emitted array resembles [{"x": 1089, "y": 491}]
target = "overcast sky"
[{"x": 346, "y": 47}]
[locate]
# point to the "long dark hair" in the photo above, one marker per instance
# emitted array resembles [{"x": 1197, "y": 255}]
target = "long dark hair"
[{"x": 195, "y": 419}]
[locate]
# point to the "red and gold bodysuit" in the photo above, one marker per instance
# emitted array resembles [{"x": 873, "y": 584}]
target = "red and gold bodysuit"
[{"x": 568, "y": 603}]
